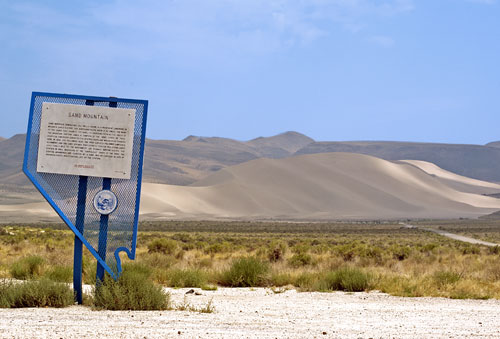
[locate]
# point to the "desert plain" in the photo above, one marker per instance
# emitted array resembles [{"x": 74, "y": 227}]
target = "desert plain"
[{"x": 278, "y": 186}]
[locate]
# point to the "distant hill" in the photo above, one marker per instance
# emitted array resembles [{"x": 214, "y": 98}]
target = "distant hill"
[
  {"x": 11, "y": 159},
  {"x": 2, "y": 138},
  {"x": 170, "y": 161},
  {"x": 492, "y": 216},
  {"x": 494, "y": 144},
  {"x": 474, "y": 161},
  {"x": 183, "y": 162},
  {"x": 281, "y": 145}
]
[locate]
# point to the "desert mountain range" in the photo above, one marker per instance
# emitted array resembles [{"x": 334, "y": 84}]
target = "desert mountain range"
[
  {"x": 183, "y": 162},
  {"x": 290, "y": 176}
]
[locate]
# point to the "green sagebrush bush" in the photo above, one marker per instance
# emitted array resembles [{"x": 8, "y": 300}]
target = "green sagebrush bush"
[
  {"x": 443, "y": 278},
  {"x": 350, "y": 279},
  {"x": 245, "y": 272},
  {"x": 186, "y": 278},
  {"x": 494, "y": 250},
  {"x": 60, "y": 274},
  {"x": 400, "y": 252},
  {"x": 162, "y": 245},
  {"x": 132, "y": 291},
  {"x": 300, "y": 259},
  {"x": 39, "y": 293},
  {"x": 27, "y": 267}
]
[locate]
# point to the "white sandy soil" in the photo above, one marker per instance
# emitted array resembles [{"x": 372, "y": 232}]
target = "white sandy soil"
[{"x": 260, "y": 313}]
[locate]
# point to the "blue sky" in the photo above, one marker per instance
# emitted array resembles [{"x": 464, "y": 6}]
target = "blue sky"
[{"x": 331, "y": 69}]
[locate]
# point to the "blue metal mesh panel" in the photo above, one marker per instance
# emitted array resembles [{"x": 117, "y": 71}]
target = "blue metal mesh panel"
[{"x": 62, "y": 190}]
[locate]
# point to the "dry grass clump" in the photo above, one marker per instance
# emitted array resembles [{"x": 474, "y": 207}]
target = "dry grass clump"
[{"x": 186, "y": 306}]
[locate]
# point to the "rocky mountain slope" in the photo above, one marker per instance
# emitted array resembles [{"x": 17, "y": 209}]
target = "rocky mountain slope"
[{"x": 186, "y": 161}]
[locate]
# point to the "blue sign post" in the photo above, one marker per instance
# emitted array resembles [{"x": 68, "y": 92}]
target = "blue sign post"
[{"x": 85, "y": 154}]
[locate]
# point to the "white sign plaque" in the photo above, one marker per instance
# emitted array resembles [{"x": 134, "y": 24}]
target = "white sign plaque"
[{"x": 86, "y": 140}]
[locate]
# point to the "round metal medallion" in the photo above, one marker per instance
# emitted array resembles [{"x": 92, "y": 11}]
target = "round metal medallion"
[{"x": 105, "y": 202}]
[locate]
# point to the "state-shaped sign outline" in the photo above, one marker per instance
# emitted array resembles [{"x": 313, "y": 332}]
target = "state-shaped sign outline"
[{"x": 130, "y": 252}]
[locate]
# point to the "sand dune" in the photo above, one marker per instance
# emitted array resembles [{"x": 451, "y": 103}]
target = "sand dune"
[
  {"x": 29, "y": 212},
  {"x": 473, "y": 161},
  {"x": 315, "y": 187},
  {"x": 321, "y": 186},
  {"x": 458, "y": 182}
]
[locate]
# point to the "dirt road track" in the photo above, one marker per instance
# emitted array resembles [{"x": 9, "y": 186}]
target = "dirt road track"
[
  {"x": 461, "y": 237},
  {"x": 452, "y": 235}
]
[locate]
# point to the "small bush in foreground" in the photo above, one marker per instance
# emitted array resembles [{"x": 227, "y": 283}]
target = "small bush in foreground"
[
  {"x": 27, "y": 268},
  {"x": 443, "y": 278},
  {"x": 306, "y": 281},
  {"x": 348, "y": 279},
  {"x": 403, "y": 286},
  {"x": 60, "y": 274},
  {"x": 42, "y": 293},
  {"x": 281, "y": 279},
  {"x": 186, "y": 278},
  {"x": 138, "y": 269},
  {"x": 132, "y": 291},
  {"x": 245, "y": 272},
  {"x": 300, "y": 259}
]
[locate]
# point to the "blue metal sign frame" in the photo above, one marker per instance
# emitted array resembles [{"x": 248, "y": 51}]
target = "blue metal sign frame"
[{"x": 78, "y": 223}]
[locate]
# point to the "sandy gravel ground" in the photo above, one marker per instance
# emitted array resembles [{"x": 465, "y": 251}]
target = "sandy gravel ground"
[{"x": 260, "y": 313}]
